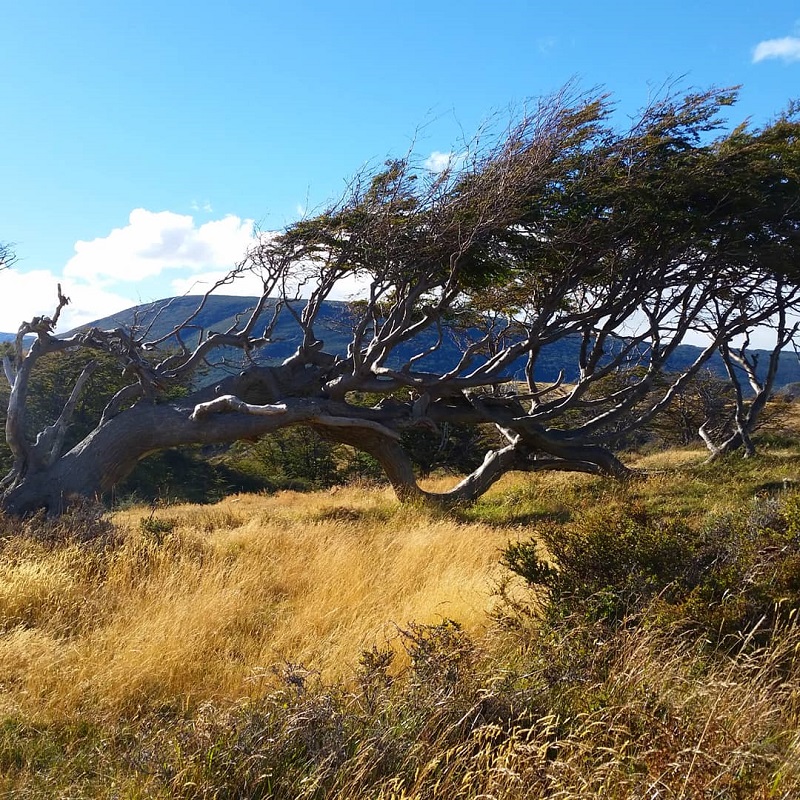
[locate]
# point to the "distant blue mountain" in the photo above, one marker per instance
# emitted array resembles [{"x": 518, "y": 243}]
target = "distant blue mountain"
[{"x": 334, "y": 327}]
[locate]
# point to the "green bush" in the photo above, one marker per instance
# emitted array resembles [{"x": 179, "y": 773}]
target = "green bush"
[
  {"x": 300, "y": 459},
  {"x": 728, "y": 578},
  {"x": 187, "y": 475},
  {"x": 605, "y": 565}
]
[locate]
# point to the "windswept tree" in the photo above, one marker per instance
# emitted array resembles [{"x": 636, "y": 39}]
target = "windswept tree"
[
  {"x": 769, "y": 200},
  {"x": 751, "y": 378},
  {"x": 561, "y": 229}
]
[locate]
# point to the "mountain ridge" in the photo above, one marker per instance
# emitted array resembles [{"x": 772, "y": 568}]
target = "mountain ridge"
[{"x": 334, "y": 327}]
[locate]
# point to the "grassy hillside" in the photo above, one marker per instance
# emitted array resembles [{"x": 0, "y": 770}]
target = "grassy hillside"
[{"x": 336, "y": 645}]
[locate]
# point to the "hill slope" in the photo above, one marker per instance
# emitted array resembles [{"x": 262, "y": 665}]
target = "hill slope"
[{"x": 335, "y": 324}]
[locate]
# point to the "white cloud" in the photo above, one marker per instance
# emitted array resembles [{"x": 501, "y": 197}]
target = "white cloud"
[
  {"x": 153, "y": 242},
  {"x": 438, "y": 162},
  {"x": 787, "y": 49},
  {"x": 154, "y": 256},
  {"x": 124, "y": 268},
  {"x": 24, "y": 295}
]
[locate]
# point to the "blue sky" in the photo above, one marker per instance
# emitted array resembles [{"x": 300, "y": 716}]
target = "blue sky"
[{"x": 141, "y": 142}]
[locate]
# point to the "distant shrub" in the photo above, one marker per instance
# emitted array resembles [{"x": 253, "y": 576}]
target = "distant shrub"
[
  {"x": 301, "y": 460},
  {"x": 189, "y": 476},
  {"x": 156, "y": 528}
]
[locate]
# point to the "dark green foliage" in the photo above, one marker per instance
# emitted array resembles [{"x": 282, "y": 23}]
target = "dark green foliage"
[
  {"x": 186, "y": 475},
  {"x": 297, "y": 455},
  {"x": 50, "y": 387},
  {"x": 52, "y": 382},
  {"x": 608, "y": 564},
  {"x": 299, "y": 458},
  {"x": 156, "y": 527},
  {"x": 453, "y": 448},
  {"x": 725, "y": 578},
  {"x": 526, "y": 560}
]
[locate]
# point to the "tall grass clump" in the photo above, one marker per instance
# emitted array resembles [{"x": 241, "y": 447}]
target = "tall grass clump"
[{"x": 188, "y": 604}]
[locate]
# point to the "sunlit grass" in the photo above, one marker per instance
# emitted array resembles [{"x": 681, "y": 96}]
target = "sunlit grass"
[
  {"x": 205, "y": 651},
  {"x": 203, "y": 604}
]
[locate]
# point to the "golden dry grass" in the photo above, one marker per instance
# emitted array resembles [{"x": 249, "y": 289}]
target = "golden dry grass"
[
  {"x": 646, "y": 730},
  {"x": 206, "y": 609},
  {"x": 170, "y": 642}
]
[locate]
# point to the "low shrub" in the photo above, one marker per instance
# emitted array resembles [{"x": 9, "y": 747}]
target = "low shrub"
[{"x": 726, "y": 578}]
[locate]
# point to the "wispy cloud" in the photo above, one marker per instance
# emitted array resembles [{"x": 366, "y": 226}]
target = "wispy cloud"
[
  {"x": 787, "y": 49},
  {"x": 438, "y": 162},
  {"x": 205, "y": 206},
  {"x": 546, "y": 45}
]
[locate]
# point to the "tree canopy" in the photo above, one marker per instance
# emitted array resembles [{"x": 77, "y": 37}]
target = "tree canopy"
[{"x": 561, "y": 227}]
